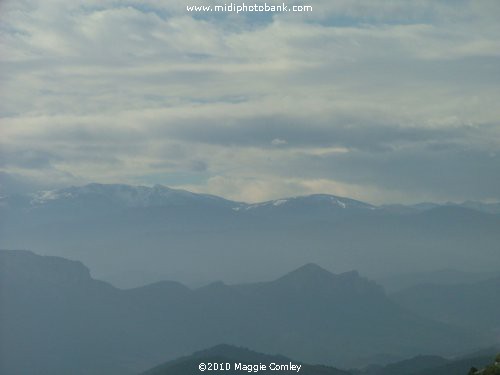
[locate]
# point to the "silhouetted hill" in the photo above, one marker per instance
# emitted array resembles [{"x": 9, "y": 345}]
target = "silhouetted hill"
[
  {"x": 232, "y": 355},
  {"x": 58, "y": 320}
]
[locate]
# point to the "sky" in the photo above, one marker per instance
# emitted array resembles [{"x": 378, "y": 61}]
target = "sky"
[{"x": 383, "y": 101}]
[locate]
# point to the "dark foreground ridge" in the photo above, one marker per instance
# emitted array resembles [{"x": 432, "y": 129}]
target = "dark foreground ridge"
[
  {"x": 479, "y": 363},
  {"x": 491, "y": 369},
  {"x": 234, "y": 358}
]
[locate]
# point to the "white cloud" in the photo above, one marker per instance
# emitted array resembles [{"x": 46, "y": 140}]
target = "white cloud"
[
  {"x": 101, "y": 83},
  {"x": 278, "y": 142}
]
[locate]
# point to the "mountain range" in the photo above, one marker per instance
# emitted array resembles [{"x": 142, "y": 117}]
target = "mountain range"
[
  {"x": 419, "y": 365},
  {"x": 398, "y": 282},
  {"x": 129, "y": 235},
  {"x": 230, "y": 356},
  {"x": 474, "y": 306},
  {"x": 433, "y": 365},
  {"x": 56, "y": 319}
]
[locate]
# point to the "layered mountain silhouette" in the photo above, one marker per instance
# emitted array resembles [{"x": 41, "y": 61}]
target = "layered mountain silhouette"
[
  {"x": 232, "y": 355},
  {"x": 56, "y": 319},
  {"x": 432, "y": 365},
  {"x": 419, "y": 365},
  {"x": 395, "y": 283},
  {"x": 474, "y": 305},
  {"x": 128, "y": 235}
]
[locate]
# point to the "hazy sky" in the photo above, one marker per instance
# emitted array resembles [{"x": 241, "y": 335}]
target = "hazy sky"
[{"x": 384, "y": 101}]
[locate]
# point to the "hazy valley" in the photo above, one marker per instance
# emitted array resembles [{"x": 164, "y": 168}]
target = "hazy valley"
[
  {"x": 57, "y": 318},
  {"x": 130, "y": 235}
]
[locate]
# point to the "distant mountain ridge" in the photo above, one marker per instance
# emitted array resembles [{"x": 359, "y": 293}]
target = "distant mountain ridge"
[
  {"x": 52, "y": 308},
  {"x": 158, "y": 195},
  {"x": 432, "y": 365},
  {"x": 445, "y": 276},
  {"x": 128, "y": 234},
  {"x": 419, "y": 365},
  {"x": 318, "y": 200},
  {"x": 474, "y": 305},
  {"x": 120, "y": 194}
]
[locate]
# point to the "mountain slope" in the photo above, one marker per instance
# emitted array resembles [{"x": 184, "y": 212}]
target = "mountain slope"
[
  {"x": 229, "y": 356},
  {"x": 56, "y": 318},
  {"x": 475, "y": 305},
  {"x": 430, "y": 365},
  {"x": 408, "y": 366},
  {"x": 114, "y": 194},
  {"x": 395, "y": 283}
]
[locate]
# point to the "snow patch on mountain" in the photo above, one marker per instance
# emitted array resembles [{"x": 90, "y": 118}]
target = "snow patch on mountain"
[
  {"x": 338, "y": 202},
  {"x": 279, "y": 202},
  {"x": 125, "y": 195}
]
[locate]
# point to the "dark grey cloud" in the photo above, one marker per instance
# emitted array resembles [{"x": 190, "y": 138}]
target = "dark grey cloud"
[
  {"x": 454, "y": 172},
  {"x": 338, "y": 131},
  {"x": 27, "y": 158},
  {"x": 15, "y": 183},
  {"x": 198, "y": 166}
]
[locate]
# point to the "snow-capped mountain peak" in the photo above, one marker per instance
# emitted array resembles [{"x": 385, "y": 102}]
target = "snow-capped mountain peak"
[
  {"x": 123, "y": 195},
  {"x": 315, "y": 200}
]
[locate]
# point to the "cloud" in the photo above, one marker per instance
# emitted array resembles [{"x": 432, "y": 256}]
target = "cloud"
[
  {"x": 370, "y": 98},
  {"x": 278, "y": 142}
]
